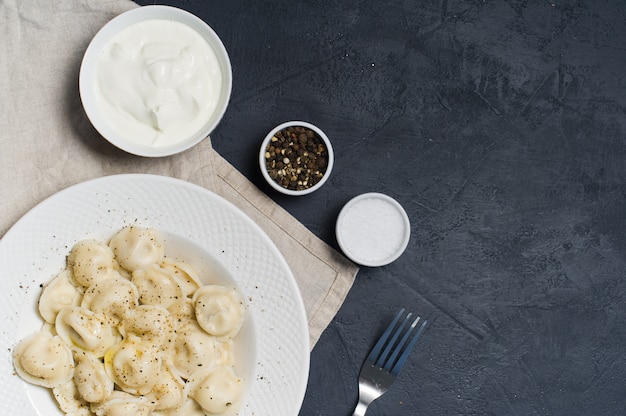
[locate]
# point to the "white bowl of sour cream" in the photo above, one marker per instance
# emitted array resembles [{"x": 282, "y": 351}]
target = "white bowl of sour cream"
[{"x": 155, "y": 81}]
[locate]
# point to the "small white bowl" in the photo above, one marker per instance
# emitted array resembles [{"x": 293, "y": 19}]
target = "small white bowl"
[
  {"x": 373, "y": 229},
  {"x": 276, "y": 185},
  {"x": 88, "y": 80}
]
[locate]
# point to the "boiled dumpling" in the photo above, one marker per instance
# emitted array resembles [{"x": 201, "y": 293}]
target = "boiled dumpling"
[
  {"x": 129, "y": 332},
  {"x": 157, "y": 286},
  {"x": 133, "y": 365},
  {"x": 195, "y": 349},
  {"x": 92, "y": 382},
  {"x": 85, "y": 330},
  {"x": 215, "y": 388},
  {"x": 169, "y": 392},
  {"x": 136, "y": 247},
  {"x": 56, "y": 295},
  {"x": 120, "y": 403},
  {"x": 90, "y": 261},
  {"x": 153, "y": 324},
  {"x": 70, "y": 401},
  {"x": 182, "y": 311},
  {"x": 43, "y": 359},
  {"x": 111, "y": 297},
  {"x": 186, "y": 275},
  {"x": 219, "y": 310},
  {"x": 189, "y": 408}
]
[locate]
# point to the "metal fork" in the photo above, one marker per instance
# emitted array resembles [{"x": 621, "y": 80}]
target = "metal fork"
[{"x": 384, "y": 362}]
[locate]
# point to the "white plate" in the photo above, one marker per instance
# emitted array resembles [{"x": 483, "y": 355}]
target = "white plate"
[{"x": 212, "y": 232}]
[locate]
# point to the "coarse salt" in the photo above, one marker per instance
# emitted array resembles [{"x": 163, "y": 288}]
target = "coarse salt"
[{"x": 373, "y": 229}]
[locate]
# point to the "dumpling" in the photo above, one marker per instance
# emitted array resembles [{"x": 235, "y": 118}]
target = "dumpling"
[
  {"x": 157, "y": 286},
  {"x": 219, "y": 310},
  {"x": 133, "y": 365},
  {"x": 70, "y": 400},
  {"x": 90, "y": 261},
  {"x": 123, "y": 404},
  {"x": 136, "y": 247},
  {"x": 215, "y": 388},
  {"x": 189, "y": 408},
  {"x": 43, "y": 359},
  {"x": 153, "y": 324},
  {"x": 111, "y": 297},
  {"x": 92, "y": 382},
  {"x": 128, "y": 332},
  {"x": 56, "y": 295},
  {"x": 195, "y": 349},
  {"x": 169, "y": 392},
  {"x": 85, "y": 330},
  {"x": 186, "y": 275},
  {"x": 182, "y": 311}
]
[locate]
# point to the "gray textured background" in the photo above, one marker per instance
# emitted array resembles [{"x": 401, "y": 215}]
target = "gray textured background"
[{"x": 499, "y": 126}]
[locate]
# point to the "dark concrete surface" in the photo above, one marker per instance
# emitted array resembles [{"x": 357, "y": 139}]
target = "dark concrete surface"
[{"x": 500, "y": 127}]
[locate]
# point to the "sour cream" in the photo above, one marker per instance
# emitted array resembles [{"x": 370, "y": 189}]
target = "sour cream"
[{"x": 158, "y": 82}]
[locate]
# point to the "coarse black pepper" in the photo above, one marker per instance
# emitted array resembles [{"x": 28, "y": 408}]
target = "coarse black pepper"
[{"x": 296, "y": 158}]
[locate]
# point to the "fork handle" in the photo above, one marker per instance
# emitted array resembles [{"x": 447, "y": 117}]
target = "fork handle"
[{"x": 360, "y": 409}]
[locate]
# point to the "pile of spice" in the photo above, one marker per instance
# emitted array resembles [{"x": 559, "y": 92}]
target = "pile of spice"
[{"x": 296, "y": 158}]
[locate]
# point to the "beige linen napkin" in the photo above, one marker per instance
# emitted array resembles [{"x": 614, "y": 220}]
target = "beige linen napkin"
[{"x": 47, "y": 143}]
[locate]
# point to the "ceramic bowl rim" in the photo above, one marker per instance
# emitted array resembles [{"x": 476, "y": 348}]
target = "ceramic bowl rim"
[
  {"x": 272, "y": 182},
  {"x": 86, "y": 78},
  {"x": 339, "y": 232}
]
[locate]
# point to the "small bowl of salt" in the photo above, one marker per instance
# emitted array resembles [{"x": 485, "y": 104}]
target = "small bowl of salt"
[{"x": 373, "y": 229}]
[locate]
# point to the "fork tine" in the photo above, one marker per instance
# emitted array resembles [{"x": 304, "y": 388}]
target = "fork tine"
[
  {"x": 380, "y": 369},
  {"x": 383, "y": 339},
  {"x": 383, "y": 362},
  {"x": 396, "y": 368},
  {"x": 398, "y": 348}
]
